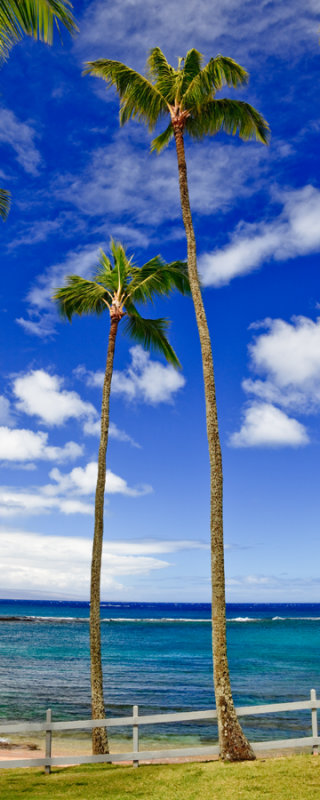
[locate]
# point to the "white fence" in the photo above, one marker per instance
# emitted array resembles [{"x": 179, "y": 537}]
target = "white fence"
[{"x": 135, "y": 755}]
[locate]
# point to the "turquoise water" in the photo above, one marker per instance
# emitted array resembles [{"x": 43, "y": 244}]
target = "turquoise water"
[{"x": 158, "y": 657}]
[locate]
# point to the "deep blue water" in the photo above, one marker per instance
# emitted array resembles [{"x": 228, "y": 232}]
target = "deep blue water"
[{"x": 158, "y": 656}]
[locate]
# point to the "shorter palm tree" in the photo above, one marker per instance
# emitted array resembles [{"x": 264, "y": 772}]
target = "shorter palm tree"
[{"x": 116, "y": 288}]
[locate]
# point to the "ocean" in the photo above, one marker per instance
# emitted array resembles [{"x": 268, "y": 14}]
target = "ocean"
[{"x": 158, "y": 656}]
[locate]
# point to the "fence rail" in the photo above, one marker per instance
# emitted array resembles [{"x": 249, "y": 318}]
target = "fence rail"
[{"x": 136, "y": 755}]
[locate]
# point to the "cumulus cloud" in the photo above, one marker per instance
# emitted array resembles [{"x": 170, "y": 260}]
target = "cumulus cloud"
[
  {"x": 40, "y": 394},
  {"x": 146, "y": 380},
  {"x": 60, "y": 565},
  {"x": 20, "y": 136},
  {"x": 264, "y": 425},
  {"x": 83, "y": 481},
  {"x": 29, "y": 502},
  {"x": 53, "y": 565},
  {"x": 295, "y": 232},
  {"x": 287, "y": 356},
  {"x": 65, "y": 492},
  {"x": 19, "y": 444}
]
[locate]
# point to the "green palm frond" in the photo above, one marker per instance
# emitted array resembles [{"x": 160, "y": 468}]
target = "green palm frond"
[
  {"x": 121, "y": 263},
  {"x": 162, "y": 141},
  {"x": 231, "y": 116},
  {"x": 192, "y": 66},
  {"x": 227, "y": 72},
  {"x": 158, "y": 278},
  {"x": 217, "y": 73},
  {"x": 161, "y": 74},
  {"x": 4, "y": 203},
  {"x": 151, "y": 333},
  {"x": 81, "y": 296},
  {"x": 36, "y": 18},
  {"x": 139, "y": 98}
]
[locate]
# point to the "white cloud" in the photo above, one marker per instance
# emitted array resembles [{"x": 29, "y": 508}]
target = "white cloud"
[
  {"x": 40, "y": 394},
  {"x": 288, "y": 354},
  {"x": 33, "y": 234},
  {"x": 295, "y": 232},
  {"x": 20, "y": 444},
  {"x": 273, "y": 27},
  {"x": 61, "y": 564},
  {"x": 16, "y": 502},
  {"x": 83, "y": 480},
  {"x": 147, "y": 380},
  {"x": 65, "y": 492},
  {"x": 264, "y": 425},
  {"x": 115, "y": 180},
  {"x": 20, "y": 136}
]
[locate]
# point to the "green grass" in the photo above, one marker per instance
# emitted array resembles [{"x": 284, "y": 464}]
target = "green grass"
[{"x": 290, "y": 778}]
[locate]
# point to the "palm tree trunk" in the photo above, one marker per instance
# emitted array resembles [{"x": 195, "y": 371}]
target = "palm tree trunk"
[
  {"x": 233, "y": 744},
  {"x": 99, "y": 735}
]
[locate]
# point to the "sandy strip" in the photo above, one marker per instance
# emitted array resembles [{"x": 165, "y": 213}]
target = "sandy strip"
[{"x": 21, "y": 747}]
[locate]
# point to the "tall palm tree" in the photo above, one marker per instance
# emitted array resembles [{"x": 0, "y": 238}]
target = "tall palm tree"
[
  {"x": 36, "y": 18},
  {"x": 116, "y": 288},
  {"x": 187, "y": 96}
]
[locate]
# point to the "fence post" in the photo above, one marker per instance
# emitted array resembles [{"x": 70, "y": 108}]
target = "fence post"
[
  {"x": 314, "y": 720},
  {"x": 48, "y": 741},
  {"x": 135, "y": 735}
]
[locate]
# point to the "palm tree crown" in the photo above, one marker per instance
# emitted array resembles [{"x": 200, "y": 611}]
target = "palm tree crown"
[
  {"x": 118, "y": 286},
  {"x": 187, "y": 94}
]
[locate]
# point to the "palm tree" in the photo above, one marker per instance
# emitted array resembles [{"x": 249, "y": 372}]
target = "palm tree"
[
  {"x": 35, "y": 18},
  {"x": 116, "y": 288},
  {"x": 187, "y": 96}
]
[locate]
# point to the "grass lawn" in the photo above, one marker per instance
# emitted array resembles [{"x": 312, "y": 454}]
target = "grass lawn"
[{"x": 289, "y": 778}]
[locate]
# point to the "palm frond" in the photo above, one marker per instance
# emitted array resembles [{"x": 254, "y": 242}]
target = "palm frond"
[
  {"x": 219, "y": 72},
  {"x": 151, "y": 333},
  {"x": 139, "y": 98},
  {"x": 162, "y": 141},
  {"x": 161, "y": 74},
  {"x": 80, "y": 296},
  {"x": 227, "y": 72},
  {"x": 231, "y": 116},
  {"x": 156, "y": 278},
  {"x": 5, "y": 199},
  {"x": 192, "y": 67},
  {"x": 106, "y": 274},
  {"x": 36, "y": 18}
]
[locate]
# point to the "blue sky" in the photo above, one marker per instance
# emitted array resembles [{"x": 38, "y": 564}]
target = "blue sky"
[{"x": 76, "y": 179}]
